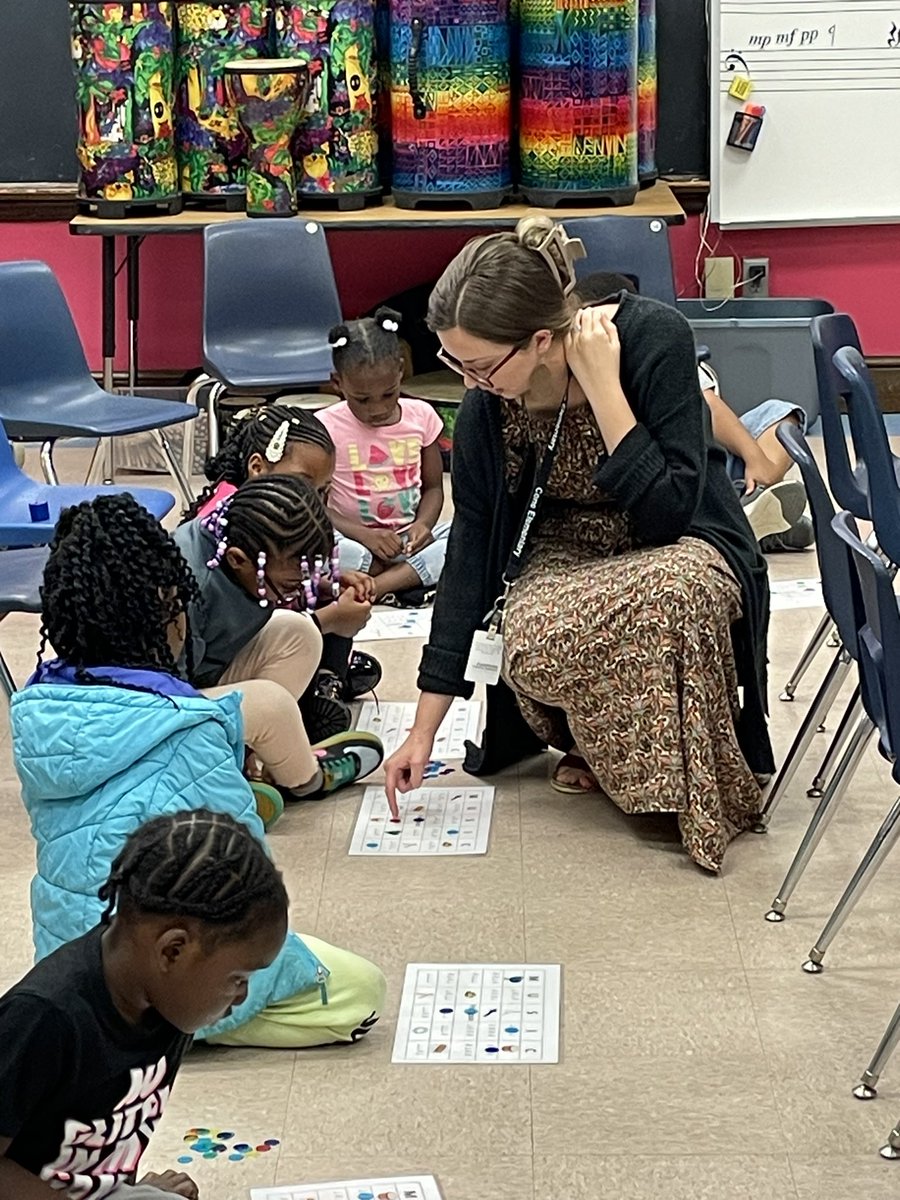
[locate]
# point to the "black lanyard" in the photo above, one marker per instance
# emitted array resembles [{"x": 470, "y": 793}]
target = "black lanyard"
[{"x": 516, "y": 562}]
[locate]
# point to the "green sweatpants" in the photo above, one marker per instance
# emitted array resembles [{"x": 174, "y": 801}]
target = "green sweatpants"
[{"x": 356, "y": 989}]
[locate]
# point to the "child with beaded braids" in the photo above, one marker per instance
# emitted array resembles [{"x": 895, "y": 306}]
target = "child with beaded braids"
[
  {"x": 277, "y": 439},
  {"x": 92, "y": 1038},
  {"x": 388, "y": 488},
  {"x": 246, "y": 631},
  {"x": 111, "y": 734}
]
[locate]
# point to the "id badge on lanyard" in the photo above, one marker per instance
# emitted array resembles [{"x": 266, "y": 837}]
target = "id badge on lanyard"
[{"x": 486, "y": 652}]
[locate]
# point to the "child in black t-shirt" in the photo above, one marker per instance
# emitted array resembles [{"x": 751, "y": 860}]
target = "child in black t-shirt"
[{"x": 92, "y": 1038}]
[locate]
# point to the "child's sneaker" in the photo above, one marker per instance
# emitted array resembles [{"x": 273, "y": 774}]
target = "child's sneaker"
[
  {"x": 363, "y": 675},
  {"x": 323, "y": 708},
  {"x": 345, "y": 759},
  {"x": 269, "y": 802}
]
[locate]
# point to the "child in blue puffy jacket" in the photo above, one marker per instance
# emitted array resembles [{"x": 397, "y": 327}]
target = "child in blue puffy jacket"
[{"x": 109, "y": 735}]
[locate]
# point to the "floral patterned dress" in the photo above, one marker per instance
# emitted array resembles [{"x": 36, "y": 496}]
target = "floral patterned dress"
[{"x": 623, "y": 653}]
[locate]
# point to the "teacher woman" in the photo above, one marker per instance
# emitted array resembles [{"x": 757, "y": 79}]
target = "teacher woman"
[{"x": 598, "y": 557}]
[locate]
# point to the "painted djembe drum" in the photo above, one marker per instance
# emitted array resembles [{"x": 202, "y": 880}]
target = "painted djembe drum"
[
  {"x": 450, "y": 101},
  {"x": 336, "y": 146},
  {"x": 124, "y": 59},
  {"x": 647, "y": 171},
  {"x": 211, "y": 146},
  {"x": 578, "y": 129},
  {"x": 268, "y": 96}
]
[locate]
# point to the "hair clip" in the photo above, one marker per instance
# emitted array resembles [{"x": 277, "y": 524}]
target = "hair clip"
[
  {"x": 277, "y": 443},
  {"x": 560, "y": 252},
  {"x": 340, "y": 341},
  {"x": 390, "y": 324},
  {"x": 261, "y": 580}
]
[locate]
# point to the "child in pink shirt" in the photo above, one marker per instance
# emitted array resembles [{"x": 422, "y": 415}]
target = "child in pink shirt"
[{"x": 387, "y": 491}]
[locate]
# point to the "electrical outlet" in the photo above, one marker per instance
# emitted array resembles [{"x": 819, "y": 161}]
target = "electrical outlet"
[
  {"x": 718, "y": 278},
  {"x": 755, "y": 273}
]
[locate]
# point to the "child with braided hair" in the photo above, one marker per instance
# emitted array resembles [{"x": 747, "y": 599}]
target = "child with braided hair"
[
  {"x": 92, "y": 1038},
  {"x": 277, "y": 439},
  {"x": 388, "y": 488},
  {"x": 246, "y": 629},
  {"x": 112, "y": 734}
]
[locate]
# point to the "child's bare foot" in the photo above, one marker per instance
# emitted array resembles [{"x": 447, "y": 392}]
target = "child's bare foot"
[{"x": 573, "y": 776}]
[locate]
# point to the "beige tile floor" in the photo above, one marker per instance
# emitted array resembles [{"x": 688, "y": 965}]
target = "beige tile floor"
[{"x": 698, "y": 1060}]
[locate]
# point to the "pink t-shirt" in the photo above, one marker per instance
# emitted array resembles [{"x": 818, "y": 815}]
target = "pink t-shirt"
[
  {"x": 378, "y": 471},
  {"x": 222, "y": 492}
]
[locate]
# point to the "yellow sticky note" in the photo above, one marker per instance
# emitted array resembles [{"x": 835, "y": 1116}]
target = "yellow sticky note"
[{"x": 741, "y": 87}]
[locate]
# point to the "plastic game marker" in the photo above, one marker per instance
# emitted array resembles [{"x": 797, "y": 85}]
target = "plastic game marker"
[
  {"x": 402, "y": 1187},
  {"x": 211, "y": 1144}
]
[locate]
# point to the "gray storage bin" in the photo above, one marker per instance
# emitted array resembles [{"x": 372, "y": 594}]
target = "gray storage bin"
[{"x": 760, "y": 349}]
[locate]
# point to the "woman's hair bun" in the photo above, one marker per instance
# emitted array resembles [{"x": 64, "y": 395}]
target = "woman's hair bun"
[
  {"x": 531, "y": 231},
  {"x": 549, "y": 239}
]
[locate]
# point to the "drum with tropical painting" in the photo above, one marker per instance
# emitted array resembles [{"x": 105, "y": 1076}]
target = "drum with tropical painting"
[
  {"x": 211, "y": 147},
  {"x": 336, "y": 147},
  {"x": 124, "y": 60},
  {"x": 268, "y": 96}
]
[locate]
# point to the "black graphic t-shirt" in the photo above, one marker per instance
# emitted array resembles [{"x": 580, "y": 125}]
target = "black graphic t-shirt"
[{"x": 81, "y": 1090}]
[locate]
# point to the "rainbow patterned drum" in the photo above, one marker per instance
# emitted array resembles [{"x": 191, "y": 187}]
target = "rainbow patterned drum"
[
  {"x": 211, "y": 147},
  {"x": 578, "y": 130},
  {"x": 336, "y": 147},
  {"x": 268, "y": 96},
  {"x": 647, "y": 171},
  {"x": 450, "y": 101},
  {"x": 124, "y": 58}
]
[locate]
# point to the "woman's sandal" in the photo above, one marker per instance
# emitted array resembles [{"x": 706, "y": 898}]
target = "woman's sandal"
[{"x": 586, "y": 782}]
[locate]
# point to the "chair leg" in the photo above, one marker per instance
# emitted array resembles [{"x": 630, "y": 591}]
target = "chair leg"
[
  {"x": 891, "y": 1149},
  {"x": 867, "y": 1088},
  {"x": 212, "y": 418},
  {"x": 825, "y": 697},
  {"x": 852, "y": 713},
  {"x": 6, "y": 680},
  {"x": 175, "y": 468},
  {"x": 879, "y": 848},
  {"x": 47, "y": 464},
  {"x": 815, "y": 644},
  {"x": 825, "y": 810},
  {"x": 193, "y": 397}
]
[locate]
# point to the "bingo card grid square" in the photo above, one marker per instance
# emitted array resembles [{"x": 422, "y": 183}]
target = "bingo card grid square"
[{"x": 479, "y": 1013}]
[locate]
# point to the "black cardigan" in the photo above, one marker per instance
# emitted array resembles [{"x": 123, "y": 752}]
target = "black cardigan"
[{"x": 667, "y": 473}]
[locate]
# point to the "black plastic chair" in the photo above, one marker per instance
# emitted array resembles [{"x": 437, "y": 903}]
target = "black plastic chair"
[
  {"x": 23, "y": 501},
  {"x": 21, "y": 573},
  {"x": 877, "y": 467},
  {"x": 269, "y": 300},
  {"x": 840, "y": 592},
  {"x": 46, "y": 389},
  {"x": 631, "y": 246},
  {"x": 879, "y": 647}
]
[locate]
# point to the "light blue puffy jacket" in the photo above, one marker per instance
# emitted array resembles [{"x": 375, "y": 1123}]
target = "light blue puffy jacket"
[{"x": 95, "y": 762}]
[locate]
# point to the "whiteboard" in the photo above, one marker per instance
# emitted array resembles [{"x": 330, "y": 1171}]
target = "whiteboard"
[{"x": 828, "y": 73}]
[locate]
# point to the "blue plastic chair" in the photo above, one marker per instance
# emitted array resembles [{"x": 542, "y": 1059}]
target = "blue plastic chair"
[
  {"x": 844, "y": 602},
  {"x": 631, "y": 246},
  {"x": 876, "y": 468},
  {"x": 879, "y": 648},
  {"x": 19, "y": 491},
  {"x": 269, "y": 300},
  {"x": 21, "y": 573},
  {"x": 46, "y": 389}
]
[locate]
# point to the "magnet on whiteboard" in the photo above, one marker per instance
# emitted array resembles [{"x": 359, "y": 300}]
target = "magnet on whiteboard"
[{"x": 741, "y": 87}]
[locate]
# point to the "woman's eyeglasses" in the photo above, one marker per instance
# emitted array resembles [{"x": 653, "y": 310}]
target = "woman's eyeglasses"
[{"x": 485, "y": 380}]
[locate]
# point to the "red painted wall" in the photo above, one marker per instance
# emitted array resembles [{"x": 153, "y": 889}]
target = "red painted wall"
[{"x": 856, "y": 268}]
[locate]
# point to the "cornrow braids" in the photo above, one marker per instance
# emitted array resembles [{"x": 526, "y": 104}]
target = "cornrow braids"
[
  {"x": 266, "y": 430},
  {"x": 365, "y": 342},
  {"x": 113, "y": 584},
  {"x": 198, "y": 864},
  {"x": 269, "y": 514}
]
